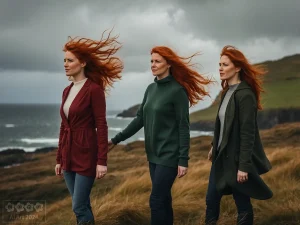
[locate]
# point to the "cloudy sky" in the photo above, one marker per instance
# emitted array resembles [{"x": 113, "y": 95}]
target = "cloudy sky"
[{"x": 34, "y": 31}]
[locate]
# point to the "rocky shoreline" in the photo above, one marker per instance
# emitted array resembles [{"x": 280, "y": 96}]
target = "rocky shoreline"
[
  {"x": 14, "y": 157},
  {"x": 131, "y": 112}
]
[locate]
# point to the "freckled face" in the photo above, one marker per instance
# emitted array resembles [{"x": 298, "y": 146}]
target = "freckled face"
[
  {"x": 227, "y": 69},
  {"x": 72, "y": 65},
  {"x": 159, "y": 65}
]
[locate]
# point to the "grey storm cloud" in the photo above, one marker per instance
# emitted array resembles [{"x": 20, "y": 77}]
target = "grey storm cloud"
[
  {"x": 240, "y": 21},
  {"x": 33, "y": 32}
]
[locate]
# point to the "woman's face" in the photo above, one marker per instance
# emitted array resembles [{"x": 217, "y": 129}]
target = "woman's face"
[
  {"x": 72, "y": 65},
  {"x": 159, "y": 65},
  {"x": 228, "y": 71}
]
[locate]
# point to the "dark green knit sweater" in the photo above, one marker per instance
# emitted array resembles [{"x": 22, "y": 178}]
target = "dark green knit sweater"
[{"x": 164, "y": 113}]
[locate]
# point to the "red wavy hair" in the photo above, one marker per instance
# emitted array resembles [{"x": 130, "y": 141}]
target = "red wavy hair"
[
  {"x": 252, "y": 74},
  {"x": 101, "y": 66},
  {"x": 181, "y": 70}
]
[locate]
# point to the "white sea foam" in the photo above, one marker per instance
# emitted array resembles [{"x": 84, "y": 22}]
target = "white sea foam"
[
  {"x": 201, "y": 133},
  {"x": 40, "y": 140},
  {"x": 115, "y": 128},
  {"x": 26, "y": 149},
  {"x": 9, "y": 125},
  {"x": 111, "y": 116},
  {"x": 124, "y": 118}
]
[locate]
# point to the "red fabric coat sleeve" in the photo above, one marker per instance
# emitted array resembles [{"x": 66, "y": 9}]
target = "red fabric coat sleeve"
[
  {"x": 61, "y": 130},
  {"x": 58, "y": 153},
  {"x": 99, "y": 111}
]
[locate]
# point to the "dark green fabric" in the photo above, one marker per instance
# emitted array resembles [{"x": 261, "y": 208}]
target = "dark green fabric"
[
  {"x": 241, "y": 147},
  {"x": 164, "y": 114}
]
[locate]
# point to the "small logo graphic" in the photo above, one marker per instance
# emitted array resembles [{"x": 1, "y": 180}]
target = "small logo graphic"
[
  {"x": 23, "y": 212},
  {"x": 39, "y": 207},
  {"x": 29, "y": 207},
  {"x": 19, "y": 207},
  {"x": 10, "y": 207}
]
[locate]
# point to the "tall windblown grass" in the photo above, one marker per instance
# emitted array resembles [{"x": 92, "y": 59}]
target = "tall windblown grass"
[{"x": 122, "y": 197}]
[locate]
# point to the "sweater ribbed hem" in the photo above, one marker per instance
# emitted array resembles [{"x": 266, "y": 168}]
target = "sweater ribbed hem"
[{"x": 170, "y": 162}]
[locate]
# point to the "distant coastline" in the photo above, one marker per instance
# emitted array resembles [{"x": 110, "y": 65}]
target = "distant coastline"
[
  {"x": 266, "y": 118},
  {"x": 16, "y": 156}
]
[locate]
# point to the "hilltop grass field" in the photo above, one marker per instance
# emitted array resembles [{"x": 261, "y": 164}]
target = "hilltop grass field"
[
  {"x": 121, "y": 198},
  {"x": 277, "y": 95}
]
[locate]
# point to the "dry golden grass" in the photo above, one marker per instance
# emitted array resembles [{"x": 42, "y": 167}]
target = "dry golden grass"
[{"x": 121, "y": 198}]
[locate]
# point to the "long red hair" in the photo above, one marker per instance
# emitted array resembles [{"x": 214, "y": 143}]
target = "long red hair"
[
  {"x": 252, "y": 74},
  {"x": 181, "y": 70},
  {"x": 101, "y": 66}
]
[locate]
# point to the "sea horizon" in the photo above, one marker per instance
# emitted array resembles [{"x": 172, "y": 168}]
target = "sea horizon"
[{"x": 34, "y": 126}]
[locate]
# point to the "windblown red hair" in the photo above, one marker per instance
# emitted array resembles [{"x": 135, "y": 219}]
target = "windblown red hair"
[
  {"x": 252, "y": 74},
  {"x": 181, "y": 70},
  {"x": 101, "y": 66}
]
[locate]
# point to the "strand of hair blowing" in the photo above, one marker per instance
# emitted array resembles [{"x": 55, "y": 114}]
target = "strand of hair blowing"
[
  {"x": 252, "y": 74},
  {"x": 191, "y": 80},
  {"x": 102, "y": 66}
]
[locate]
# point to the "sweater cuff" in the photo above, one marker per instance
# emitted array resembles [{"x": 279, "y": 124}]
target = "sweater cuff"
[
  {"x": 183, "y": 162},
  {"x": 245, "y": 167},
  {"x": 115, "y": 140},
  {"x": 102, "y": 162}
]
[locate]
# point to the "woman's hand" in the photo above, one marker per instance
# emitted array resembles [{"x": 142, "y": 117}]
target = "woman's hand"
[
  {"x": 182, "y": 171},
  {"x": 58, "y": 170},
  {"x": 242, "y": 176},
  {"x": 110, "y": 145},
  {"x": 209, "y": 157},
  {"x": 101, "y": 171}
]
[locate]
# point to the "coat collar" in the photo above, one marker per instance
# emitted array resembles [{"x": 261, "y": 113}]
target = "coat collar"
[
  {"x": 86, "y": 84},
  {"x": 243, "y": 85},
  {"x": 164, "y": 80}
]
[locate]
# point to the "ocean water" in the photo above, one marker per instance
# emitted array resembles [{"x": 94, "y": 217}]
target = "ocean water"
[{"x": 30, "y": 127}]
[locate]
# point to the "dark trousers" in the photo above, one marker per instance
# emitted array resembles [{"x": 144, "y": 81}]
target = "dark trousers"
[
  {"x": 162, "y": 178},
  {"x": 80, "y": 188},
  {"x": 213, "y": 199}
]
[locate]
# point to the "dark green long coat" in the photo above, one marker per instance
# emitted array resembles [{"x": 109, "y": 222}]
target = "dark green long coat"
[{"x": 241, "y": 147}]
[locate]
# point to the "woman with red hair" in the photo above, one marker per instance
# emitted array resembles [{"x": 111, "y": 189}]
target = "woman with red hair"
[
  {"x": 83, "y": 138},
  {"x": 164, "y": 114},
  {"x": 237, "y": 155}
]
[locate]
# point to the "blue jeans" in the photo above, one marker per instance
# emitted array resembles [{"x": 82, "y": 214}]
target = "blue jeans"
[
  {"x": 80, "y": 188},
  {"x": 213, "y": 199},
  {"x": 162, "y": 178}
]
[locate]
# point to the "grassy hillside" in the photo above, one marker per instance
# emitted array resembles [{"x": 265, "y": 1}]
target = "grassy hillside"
[
  {"x": 121, "y": 198},
  {"x": 281, "y": 86}
]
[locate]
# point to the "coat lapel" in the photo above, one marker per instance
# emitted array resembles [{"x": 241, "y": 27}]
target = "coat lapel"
[
  {"x": 63, "y": 116},
  {"x": 79, "y": 96},
  {"x": 217, "y": 128},
  {"x": 229, "y": 117}
]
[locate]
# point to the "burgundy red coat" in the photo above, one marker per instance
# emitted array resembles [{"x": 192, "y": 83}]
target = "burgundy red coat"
[{"x": 81, "y": 147}]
